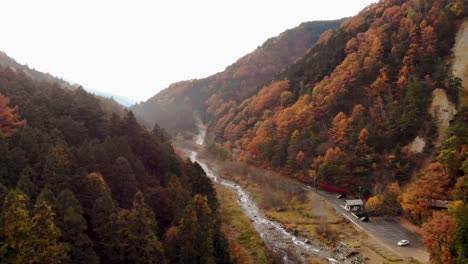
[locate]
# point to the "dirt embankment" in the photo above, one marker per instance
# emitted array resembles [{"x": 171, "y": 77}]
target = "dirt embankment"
[
  {"x": 443, "y": 111},
  {"x": 460, "y": 56}
]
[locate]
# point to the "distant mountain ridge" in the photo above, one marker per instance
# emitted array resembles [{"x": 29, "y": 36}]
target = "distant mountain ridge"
[
  {"x": 123, "y": 100},
  {"x": 173, "y": 108}
]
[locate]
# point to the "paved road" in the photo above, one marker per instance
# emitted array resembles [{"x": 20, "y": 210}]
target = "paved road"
[{"x": 388, "y": 231}]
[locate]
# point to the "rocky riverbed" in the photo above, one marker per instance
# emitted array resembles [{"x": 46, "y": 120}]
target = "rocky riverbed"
[{"x": 291, "y": 248}]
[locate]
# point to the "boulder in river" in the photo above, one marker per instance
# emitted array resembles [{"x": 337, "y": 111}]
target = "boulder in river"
[{"x": 280, "y": 209}]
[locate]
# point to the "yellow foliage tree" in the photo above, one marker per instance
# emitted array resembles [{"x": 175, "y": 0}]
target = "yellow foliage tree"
[{"x": 375, "y": 204}]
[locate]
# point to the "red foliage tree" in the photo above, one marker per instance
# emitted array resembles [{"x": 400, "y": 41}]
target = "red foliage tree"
[{"x": 438, "y": 237}]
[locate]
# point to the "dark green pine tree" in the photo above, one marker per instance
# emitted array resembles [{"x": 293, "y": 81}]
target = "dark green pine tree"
[
  {"x": 131, "y": 126},
  {"x": 197, "y": 230},
  {"x": 201, "y": 184},
  {"x": 25, "y": 183},
  {"x": 58, "y": 171},
  {"x": 5, "y": 177},
  {"x": 293, "y": 148},
  {"x": 16, "y": 161},
  {"x": 205, "y": 229},
  {"x": 103, "y": 161},
  {"x": 137, "y": 234},
  {"x": 159, "y": 133},
  {"x": 46, "y": 195},
  {"x": 3, "y": 193},
  {"x": 188, "y": 230},
  {"x": 35, "y": 144},
  {"x": 115, "y": 125},
  {"x": 461, "y": 235},
  {"x": 174, "y": 198},
  {"x": 103, "y": 219},
  {"x": 93, "y": 186},
  {"x": 221, "y": 246},
  {"x": 85, "y": 156},
  {"x": 71, "y": 222},
  {"x": 123, "y": 182}
]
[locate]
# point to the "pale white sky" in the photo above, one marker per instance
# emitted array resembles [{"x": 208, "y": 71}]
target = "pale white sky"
[{"x": 136, "y": 48}]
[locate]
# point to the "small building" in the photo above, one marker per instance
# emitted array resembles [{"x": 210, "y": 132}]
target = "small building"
[
  {"x": 439, "y": 204},
  {"x": 354, "y": 205}
]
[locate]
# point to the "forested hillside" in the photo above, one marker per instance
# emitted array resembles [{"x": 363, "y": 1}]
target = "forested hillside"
[
  {"x": 174, "y": 108},
  {"x": 359, "y": 96},
  {"x": 364, "y": 112},
  {"x": 78, "y": 185}
]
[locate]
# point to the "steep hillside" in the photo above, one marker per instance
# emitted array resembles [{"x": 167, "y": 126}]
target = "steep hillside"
[
  {"x": 361, "y": 92},
  {"x": 78, "y": 185},
  {"x": 174, "y": 107},
  {"x": 107, "y": 102}
]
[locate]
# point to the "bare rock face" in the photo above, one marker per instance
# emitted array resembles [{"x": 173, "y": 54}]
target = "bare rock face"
[
  {"x": 460, "y": 54},
  {"x": 418, "y": 144},
  {"x": 442, "y": 110}
]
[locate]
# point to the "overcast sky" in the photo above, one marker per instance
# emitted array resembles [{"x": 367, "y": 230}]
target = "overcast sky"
[{"x": 136, "y": 48}]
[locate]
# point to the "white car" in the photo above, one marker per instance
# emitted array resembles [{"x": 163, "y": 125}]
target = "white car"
[{"x": 403, "y": 243}]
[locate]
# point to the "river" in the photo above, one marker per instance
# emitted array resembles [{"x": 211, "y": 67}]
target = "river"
[{"x": 291, "y": 248}]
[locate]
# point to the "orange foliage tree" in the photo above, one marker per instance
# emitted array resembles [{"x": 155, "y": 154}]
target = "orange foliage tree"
[
  {"x": 339, "y": 129},
  {"x": 363, "y": 137},
  {"x": 334, "y": 155},
  {"x": 9, "y": 117},
  {"x": 438, "y": 237},
  {"x": 417, "y": 200}
]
